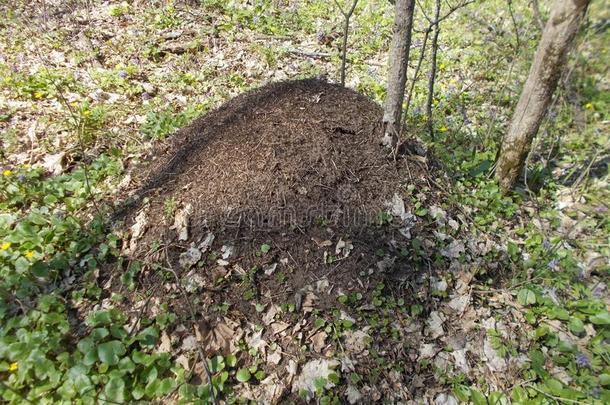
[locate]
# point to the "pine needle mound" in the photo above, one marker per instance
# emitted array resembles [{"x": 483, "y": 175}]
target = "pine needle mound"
[{"x": 296, "y": 166}]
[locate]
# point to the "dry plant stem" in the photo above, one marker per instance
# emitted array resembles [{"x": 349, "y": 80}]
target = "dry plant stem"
[
  {"x": 202, "y": 355},
  {"x": 346, "y": 15},
  {"x": 512, "y": 16},
  {"x": 432, "y": 77}
]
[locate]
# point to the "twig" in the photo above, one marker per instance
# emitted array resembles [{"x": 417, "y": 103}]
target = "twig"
[
  {"x": 416, "y": 74},
  {"x": 512, "y": 16},
  {"x": 204, "y": 358},
  {"x": 347, "y": 15},
  {"x": 432, "y": 77}
]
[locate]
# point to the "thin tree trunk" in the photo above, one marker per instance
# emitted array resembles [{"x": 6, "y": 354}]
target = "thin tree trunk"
[
  {"x": 432, "y": 77},
  {"x": 397, "y": 70},
  {"x": 346, "y": 15},
  {"x": 550, "y": 58}
]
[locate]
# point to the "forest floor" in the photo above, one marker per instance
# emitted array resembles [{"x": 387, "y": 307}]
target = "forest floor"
[{"x": 123, "y": 279}]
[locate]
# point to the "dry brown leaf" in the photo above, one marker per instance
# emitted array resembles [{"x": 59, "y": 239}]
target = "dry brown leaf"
[{"x": 319, "y": 341}]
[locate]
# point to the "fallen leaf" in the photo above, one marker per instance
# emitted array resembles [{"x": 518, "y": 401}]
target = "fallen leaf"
[
  {"x": 314, "y": 370},
  {"x": 308, "y": 302},
  {"x": 183, "y": 361},
  {"x": 227, "y": 251},
  {"x": 319, "y": 341},
  {"x": 54, "y": 163},
  {"x": 454, "y": 250},
  {"x": 165, "y": 346},
  {"x": 269, "y": 269},
  {"x": 181, "y": 222},
  {"x": 352, "y": 395},
  {"x": 207, "y": 242},
  {"x": 189, "y": 258},
  {"x": 274, "y": 358}
]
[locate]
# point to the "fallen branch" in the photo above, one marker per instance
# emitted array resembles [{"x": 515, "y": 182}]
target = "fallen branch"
[{"x": 308, "y": 54}]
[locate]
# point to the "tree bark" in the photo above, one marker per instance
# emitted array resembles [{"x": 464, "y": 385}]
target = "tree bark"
[
  {"x": 397, "y": 70},
  {"x": 550, "y": 58}
]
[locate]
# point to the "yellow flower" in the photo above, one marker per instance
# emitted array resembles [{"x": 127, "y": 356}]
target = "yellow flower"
[
  {"x": 13, "y": 367},
  {"x": 589, "y": 106},
  {"x": 38, "y": 95},
  {"x": 6, "y": 173},
  {"x": 29, "y": 254},
  {"x": 5, "y": 246},
  {"x": 443, "y": 129}
]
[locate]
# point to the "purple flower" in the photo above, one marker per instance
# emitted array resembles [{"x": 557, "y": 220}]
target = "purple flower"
[
  {"x": 123, "y": 74},
  {"x": 146, "y": 96},
  {"x": 546, "y": 244},
  {"x": 554, "y": 264},
  {"x": 599, "y": 290},
  {"x": 595, "y": 391},
  {"x": 582, "y": 361}
]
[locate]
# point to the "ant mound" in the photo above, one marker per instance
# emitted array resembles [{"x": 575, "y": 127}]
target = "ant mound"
[{"x": 289, "y": 179}]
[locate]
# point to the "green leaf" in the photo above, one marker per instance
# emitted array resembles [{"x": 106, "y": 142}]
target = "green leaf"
[
  {"x": 478, "y": 398},
  {"x": 260, "y": 374},
  {"x": 22, "y": 265},
  {"x": 462, "y": 393},
  {"x": 554, "y": 386},
  {"x": 602, "y": 318},
  {"x": 604, "y": 379},
  {"x": 148, "y": 337},
  {"x": 115, "y": 390},
  {"x": 243, "y": 375},
  {"x": 110, "y": 352},
  {"x": 576, "y": 326},
  {"x": 231, "y": 360},
  {"x": 526, "y": 297},
  {"x": 519, "y": 395},
  {"x": 265, "y": 248},
  {"x": 40, "y": 269}
]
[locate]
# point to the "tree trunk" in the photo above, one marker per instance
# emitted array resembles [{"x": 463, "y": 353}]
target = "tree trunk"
[
  {"x": 544, "y": 74},
  {"x": 432, "y": 77},
  {"x": 397, "y": 70}
]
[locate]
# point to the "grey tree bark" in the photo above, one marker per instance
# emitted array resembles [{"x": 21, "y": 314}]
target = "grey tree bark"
[
  {"x": 550, "y": 58},
  {"x": 397, "y": 70}
]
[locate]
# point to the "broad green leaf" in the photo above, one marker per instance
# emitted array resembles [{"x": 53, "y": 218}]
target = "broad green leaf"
[
  {"x": 576, "y": 326},
  {"x": 526, "y": 297},
  {"x": 231, "y": 360},
  {"x": 243, "y": 375},
  {"x": 602, "y": 318},
  {"x": 110, "y": 352},
  {"x": 115, "y": 390},
  {"x": 40, "y": 269},
  {"x": 478, "y": 398}
]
